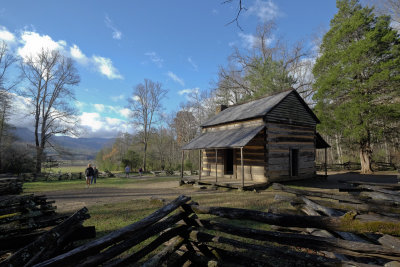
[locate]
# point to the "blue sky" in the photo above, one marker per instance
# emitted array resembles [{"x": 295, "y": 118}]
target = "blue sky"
[{"x": 117, "y": 44}]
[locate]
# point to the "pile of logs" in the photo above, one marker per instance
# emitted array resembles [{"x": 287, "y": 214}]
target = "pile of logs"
[
  {"x": 10, "y": 186},
  {"x": 31, "y": 231},
  {"x": 186, "y": 233}
]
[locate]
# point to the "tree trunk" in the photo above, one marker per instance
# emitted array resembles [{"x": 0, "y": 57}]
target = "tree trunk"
[
  {"x": 365, "y": 158},
  {"x": 39, "y": 155},
  {"x": 144, "y": 156},
  {"x": 338, "y": 149}
]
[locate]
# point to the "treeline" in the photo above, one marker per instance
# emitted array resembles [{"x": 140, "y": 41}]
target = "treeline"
[{"x": 352, "y": 83}]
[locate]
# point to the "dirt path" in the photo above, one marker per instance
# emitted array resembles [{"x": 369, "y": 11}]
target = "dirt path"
[{"x": 71, "y": 200}]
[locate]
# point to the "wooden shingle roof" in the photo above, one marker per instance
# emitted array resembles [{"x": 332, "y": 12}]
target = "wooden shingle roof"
[
  {"x": 254, "y": 109},
  {"x": 232, "y": 138}
]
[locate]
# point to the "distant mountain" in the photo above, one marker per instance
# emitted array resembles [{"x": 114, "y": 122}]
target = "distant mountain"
[{"x": 86, "y": 148}]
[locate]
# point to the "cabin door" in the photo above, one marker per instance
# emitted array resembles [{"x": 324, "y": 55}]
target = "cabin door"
[
  {"x": 294, "y": 162},
  {"x": 228, "y": 161}
]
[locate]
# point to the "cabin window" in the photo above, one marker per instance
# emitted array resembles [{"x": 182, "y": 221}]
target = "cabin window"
[
  {"x": 228, "y": 161},
  {"x": 294, "y": 162}
]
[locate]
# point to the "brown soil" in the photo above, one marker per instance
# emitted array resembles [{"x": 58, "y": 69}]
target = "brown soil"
[{"x": 70, "y": 200}]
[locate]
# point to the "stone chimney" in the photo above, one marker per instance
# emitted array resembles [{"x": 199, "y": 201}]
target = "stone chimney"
[{"x": 220, "y": 108}]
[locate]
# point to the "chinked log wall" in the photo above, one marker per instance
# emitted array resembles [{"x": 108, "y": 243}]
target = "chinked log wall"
[
  {"x": 269, "y": 155},
  {"x": 283, "y": 137},
  {"x": 290, "y": 126},
  {"x": 253, "y": 155},
  {"x": 253, "y": 161}
]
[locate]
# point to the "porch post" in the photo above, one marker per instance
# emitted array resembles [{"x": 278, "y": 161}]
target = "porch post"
[
  {"x": 241, "y": 161},
  {"x": 200, "y": 159},
  {"x": 326, "y": 166},
  {"x": 216, "y": 165},
  {"x": 183, "y": 154}
]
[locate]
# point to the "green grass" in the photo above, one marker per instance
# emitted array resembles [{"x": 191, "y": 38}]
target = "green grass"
[
  {"x": 41, "y": 187},
  {"x": 67, "y": 169},
  {"x": 110, "y": 217}
]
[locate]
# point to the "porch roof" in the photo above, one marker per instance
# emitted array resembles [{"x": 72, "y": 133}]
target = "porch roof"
[
  {"x": 320, "y": 142},
  {"x": 232, "y": 138}
]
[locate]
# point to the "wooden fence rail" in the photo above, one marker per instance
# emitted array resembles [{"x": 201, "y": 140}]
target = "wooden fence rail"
[{"x": 186, "y": 233}]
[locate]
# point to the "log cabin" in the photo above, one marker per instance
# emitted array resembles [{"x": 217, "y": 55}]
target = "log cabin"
[{"x": 266, "y": 140}]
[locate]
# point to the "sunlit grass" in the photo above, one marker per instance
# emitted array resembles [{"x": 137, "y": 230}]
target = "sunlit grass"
[{"x": 117, "y": 182}]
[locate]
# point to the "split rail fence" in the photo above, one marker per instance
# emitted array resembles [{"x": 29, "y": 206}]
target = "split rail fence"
[{"x": 184, "y": 233}]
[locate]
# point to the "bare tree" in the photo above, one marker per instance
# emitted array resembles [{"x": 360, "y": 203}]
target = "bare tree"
[
  {"x": 6, "y": 60},
  {"x": 269, "y": 66},
  {"x": 387, "y": 7},
  {"x": 50, "y": 77},
  {"x": 144, "y": 104}
]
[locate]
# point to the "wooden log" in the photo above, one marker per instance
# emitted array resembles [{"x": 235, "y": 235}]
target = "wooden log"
[
  {"x": 317, "y": 207},
  {"x": 331, "y": 212},
  {"x": 270, "y": 251},
  {"x": 136, "y": 256},
  {"x": 31, "y": 225},
  {"x": 384, "y": 185},
  {"x": 46, "y": 242},
  {"x": 75, "y": 255},
  {"x": 238, "y": 257},
  {"x": 361, "y": 208},
  {"x": 381, "y": 196},
  {"x": 308, "y": 241},
  {"x": 26, "y": 216},
  {"x": 287, "y": 189},
  {"x": 161, "y": 256},
  {"x": 126, "y": 244},
  {"x": 327, "y": 223},
  {"x": 390, "y": 242}
]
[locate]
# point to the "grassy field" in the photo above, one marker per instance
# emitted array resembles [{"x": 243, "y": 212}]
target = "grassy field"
[
  {"x": 113, "y": 216},
  {"x": 118, "y": 182}
]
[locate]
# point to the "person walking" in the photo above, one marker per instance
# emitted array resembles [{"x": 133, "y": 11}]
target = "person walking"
[
  {"x": 127, "y": 170},
  {"x": 95, "y": 175},
  {"x": 140, "y": 171},
  {"x": 89, "y": 172}
]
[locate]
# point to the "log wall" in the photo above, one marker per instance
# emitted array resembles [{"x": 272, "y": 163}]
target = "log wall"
[
  {"x": 232, "y": 125},
  {"x": 283, "y": 137},
  {"x": 253, "y": 161}
]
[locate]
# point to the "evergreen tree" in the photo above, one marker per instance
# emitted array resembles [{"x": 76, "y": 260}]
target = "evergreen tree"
[{"x": 357, "y": 77}]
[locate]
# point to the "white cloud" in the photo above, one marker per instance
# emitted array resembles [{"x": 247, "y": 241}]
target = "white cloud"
[
  {"x": 105, "y": 67},
  {"x": 264, "y": 10},
  {"x": 194, "y": 65},
  {"x": 175, "y": 78},
  {"x": 6, "y": 36},
  {"x": 116, "y": 34},
  {"x": 20, "y": 111},
  {"x": 33, "y": 43},
  {"x": 80, "y": 104},
  {"x": 188, "y": 91},
  {"x": 77, "y": 54},
  {"x": 249, "y": 41},
  {"x": 99, "y": 107},
  {"x": 96, "y": 125},
  {"x": 158, "y": 61},
  {"x": 118, "y": 98},
  {"x": 113, "y": 121},
  {"x": 136, "y": 98},
  {"x": 125, "y": 112},
  {"x": 91, "y": 120}
]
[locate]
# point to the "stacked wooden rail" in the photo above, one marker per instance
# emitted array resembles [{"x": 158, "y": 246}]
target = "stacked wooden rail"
[
  {"x": 184, "y": 233},
  {"x": 10, "y": 186},
  {"x": 27, "y": 219}
]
